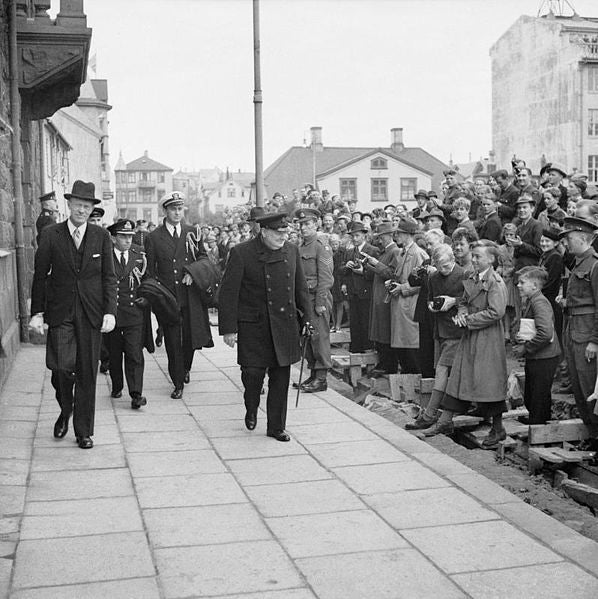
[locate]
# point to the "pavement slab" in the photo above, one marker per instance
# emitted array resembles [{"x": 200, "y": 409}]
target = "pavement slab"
[{"x": 180, "y": 500}]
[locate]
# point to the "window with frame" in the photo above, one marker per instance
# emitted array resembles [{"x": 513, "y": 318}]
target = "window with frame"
[
  {"x": 379, "y": 190},
  {"x": 348, "y": 189},
  {"x": 408, "y": 188},
  {"x": 144, "y": 177},
  {"x": 122, "y": 213},
  {"x": 231, "y": 192},
  {"x": 132, "y": 214},
  {"x": 147, "y": 214},
  {"x": 148, "y": 195},
  {"x": 593, "y": 122},
  {"x": 131, "y": 177},
  {"x": 593, "y": 78},
  {"x": 379, "y": 163},
  {"x": 160, "y": 177},
  {"x": 593, "y": 168},
  {"x": 131, "y": 196}
]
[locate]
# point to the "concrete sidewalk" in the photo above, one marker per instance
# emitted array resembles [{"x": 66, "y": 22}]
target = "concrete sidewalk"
[{"x": 180, "y": 500}]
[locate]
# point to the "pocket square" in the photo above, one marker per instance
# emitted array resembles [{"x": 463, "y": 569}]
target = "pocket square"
[{"x": 96, "y": 255}]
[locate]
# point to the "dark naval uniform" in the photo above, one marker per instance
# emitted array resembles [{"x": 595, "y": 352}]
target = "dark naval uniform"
[
  {"x": 582, "y": 328},
  {"x": 263, "y": 297},
  {"x": 316, "y": 257},
  {"x": 127, "y": 337},
  {"x": 45, "y": 218}
]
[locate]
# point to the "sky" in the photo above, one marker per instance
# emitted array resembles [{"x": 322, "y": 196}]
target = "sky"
[{"x": 180, "y": 74}]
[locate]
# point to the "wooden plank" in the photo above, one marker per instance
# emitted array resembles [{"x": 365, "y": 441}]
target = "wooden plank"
[
  {"x": 581, "y": 493},
  {"x": 508, "y": 443},
  {"x": 363, "y": 359},
  {"x": 558, "y": 431},
  {"x": 574, "y": 456},
  {"x": 402, "y": 386},
  {"x": 426, "y": 385},
  {"x": 354, "y": 375},
  {"x": 545, "y": 454},
  {"x": 340, "y": 337},
  {"x": 465, "y": 421}
]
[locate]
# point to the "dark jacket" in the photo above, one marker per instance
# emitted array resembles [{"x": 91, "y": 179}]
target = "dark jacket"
[
  {"x": 127, "y": 313},
  {"x": 264, "y": 298},
  {"x": 582, "y": 299},
  {"x": 359, "y": 285},
  {"x": 490, "y": 228},
  {"x": 529, "y": 252},
  {"x": 161, "y": 299},
  {"x": 451, "y": 285},
  {"x": 57, "y": 279},
  {"x": 507, "y": 199},
  {"x": 552, "y": 261},
  {"x": 545, "y": 343}
]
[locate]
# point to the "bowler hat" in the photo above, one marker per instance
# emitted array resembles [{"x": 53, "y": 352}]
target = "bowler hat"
[
  {"x": 255, "y": 213},
  {"x": 407, "y": 225},
  {"x": 123, "y": 226},
  {"x": 385, "y": 227},
  {"x": 304, "y": 214},
  {"x": 574, "y": 223},
  {"x": 83, "y": 191},
  {"x": 174, "y": 198},
  {"x": 274, "y": 220},
  {"x": 356, "y": 226},
  {"x": 48, "y": 196}
]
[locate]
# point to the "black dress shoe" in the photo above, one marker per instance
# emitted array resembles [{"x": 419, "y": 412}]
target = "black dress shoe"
[
  {"x": 61, "y": 426},
  {"x": 177, "y": 393},
  {"x": 315, "y": 386},
  {"x": 279, "y": 435},
  {"x": 307, "y": 381},
  {"x": 187, "y": 377},
  {"x": 116, "y": 394},
  {"x": 84, "y": 442},
  {"x": 250, "y": 420},
  {"x": 137, "y": 401}
]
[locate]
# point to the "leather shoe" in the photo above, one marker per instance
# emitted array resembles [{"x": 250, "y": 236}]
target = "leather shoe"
[
  {"x": 315, "y": 386},
  {"x": 492, "y": 440},
  {"x": 177, "y": 393},
  {"x": 439, "y": 429},
  {"x": 137, "y": 401},
  {"x": 84, "y": 442},
  {"x": 61, "y": 426},
  {"x": 419, "y": 424},
  {"x": 307, "y": 381},
  {"x": 250, "y": 420},
  {"x": 116, "y": 394},
  {"x": 279, "y": 435},
  {"x": 187, "y": 377}
]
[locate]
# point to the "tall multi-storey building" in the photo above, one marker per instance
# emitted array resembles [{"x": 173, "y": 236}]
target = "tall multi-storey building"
[
  {"x": 545, "y": 92},
  {"x": 140, "y": 185}
]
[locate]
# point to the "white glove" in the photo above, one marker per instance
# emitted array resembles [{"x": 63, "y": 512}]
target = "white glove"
[
  {"x": 108, "y": 323},
  {"x": 37, "y": 323}
]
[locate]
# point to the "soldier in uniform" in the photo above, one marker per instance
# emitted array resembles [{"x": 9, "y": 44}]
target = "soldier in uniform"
[
  {"x": 262, "y": 293},
  {"x": 141, "y": 233},
  {"x": 96, "y": 217},
  {"x": 316, "y": 257},
  {"x": 48, "y": 214},
  {"x": 167, "y": 252},
  {"x": 581, "y": 334},
  {"x": 127, "y": 337}
]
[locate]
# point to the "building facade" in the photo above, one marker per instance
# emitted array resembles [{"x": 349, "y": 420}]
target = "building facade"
[
  {"x": 140, "y": 185},
  {"x": 232, "y": 190},
  {"x": 545, "y": 93},
  {"x": 374, "y": 176}
]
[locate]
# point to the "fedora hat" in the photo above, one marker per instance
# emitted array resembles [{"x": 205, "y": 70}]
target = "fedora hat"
[
  {"x": 83, "y": 191},
  {"x": 407, "y": 226},
  {"x": 385, "y": 227}
]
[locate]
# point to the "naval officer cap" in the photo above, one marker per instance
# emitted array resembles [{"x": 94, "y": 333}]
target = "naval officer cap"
[
  {"x": 302, "y": 215},
  {"x": 174, "y": 198},
  {"x": 124, "y": 226},
  {"x": 97, "y": 212},
  {"x": 277, "y": 221},
  {"x": 574, "y": 223},
  {"x": 48, "y": 196}
]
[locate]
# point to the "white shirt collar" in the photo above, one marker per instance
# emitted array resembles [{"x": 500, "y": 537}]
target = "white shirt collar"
[
  {"x": 117, "y": 253},
  {"x": 483, "y": 274},
  {"x": 170, "y": 228},
  {"x": 82, "y": 228}
]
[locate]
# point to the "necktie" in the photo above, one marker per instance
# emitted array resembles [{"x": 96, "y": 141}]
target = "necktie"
[
  {"x": 175, "y": 234},
  {"x": 77, "y": 237},
  {"x": 123, "y": 262}
]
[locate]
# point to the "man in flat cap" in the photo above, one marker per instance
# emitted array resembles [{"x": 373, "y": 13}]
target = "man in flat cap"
[
  {"x": 264, "y": 302},
  {"x": 318, "y": 267},
  {"x": 169, "y": 248},
  {"x": 126, "y": 340},
  {"x": 581, "y": 334},
  {"x": 48, "y": 214},
  {"x": 74, "y": 292}
]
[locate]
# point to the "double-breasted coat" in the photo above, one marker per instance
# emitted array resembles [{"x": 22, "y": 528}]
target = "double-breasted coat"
[
  {"x": 479, "y": 371},
  {"x": 380, "y": 310},
  {"x": 264, "y": 299},
  {"x": 404, "y": 330}
]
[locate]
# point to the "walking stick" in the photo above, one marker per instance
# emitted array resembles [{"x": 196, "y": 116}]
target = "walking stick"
[{"x": 305, "y": 336}]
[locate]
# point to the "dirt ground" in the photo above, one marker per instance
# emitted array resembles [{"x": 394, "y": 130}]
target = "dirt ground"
[{"x": 533, "y": 489}]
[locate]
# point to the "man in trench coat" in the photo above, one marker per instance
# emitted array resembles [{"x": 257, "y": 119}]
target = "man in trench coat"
[{"x": 263, "y": 302}]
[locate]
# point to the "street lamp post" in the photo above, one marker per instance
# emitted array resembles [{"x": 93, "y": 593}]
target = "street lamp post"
[{"x": 257, "y": 107}]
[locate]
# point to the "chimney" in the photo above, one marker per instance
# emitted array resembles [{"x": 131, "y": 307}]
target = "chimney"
[
  {"x": 145, "y": 154},
  {"x": 316, "y": 139},
  {"x": 396, "y": 140}
]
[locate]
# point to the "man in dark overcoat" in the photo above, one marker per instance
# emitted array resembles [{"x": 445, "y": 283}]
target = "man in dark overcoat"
[
  {"x": 127, "y": 337},
  {"x": 169, "y": 249},
  {"x": 74, "y": 292},
  {"x": 48, "y": 214},
  {"x": 264, "y": 300}
]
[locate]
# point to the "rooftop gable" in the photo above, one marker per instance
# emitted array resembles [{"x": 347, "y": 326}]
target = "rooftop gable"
[{"x": 145, "y": 163}]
